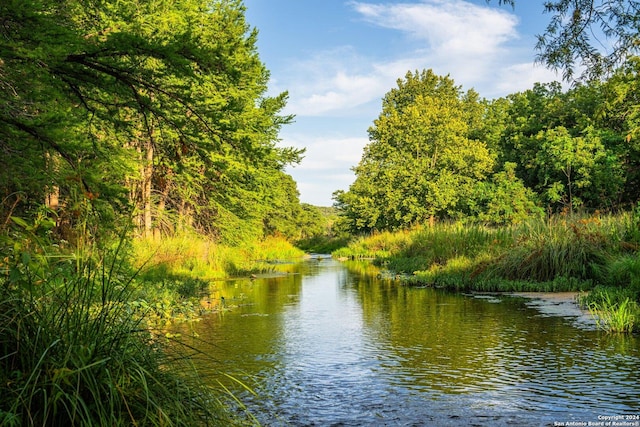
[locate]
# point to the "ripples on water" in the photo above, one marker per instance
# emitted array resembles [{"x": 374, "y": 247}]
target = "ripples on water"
[{"x": 330, "y": 347}]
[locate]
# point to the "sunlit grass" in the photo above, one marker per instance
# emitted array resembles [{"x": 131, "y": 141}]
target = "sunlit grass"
[
  {"x": 562, "y": 253},
  {"x": 615, "y": 309},
  {"x": 75, "y": 351},
  {"x": 193, "y": 256}
]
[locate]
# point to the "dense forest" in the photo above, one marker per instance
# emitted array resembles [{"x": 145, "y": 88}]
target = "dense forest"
[
  {"x": 437, "y": 152},
  {"x": 153, "y": 112}
]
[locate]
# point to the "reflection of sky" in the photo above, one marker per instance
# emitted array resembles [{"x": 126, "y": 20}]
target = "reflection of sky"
[
  {"x": 328, "y": 364},
  {"x": 328, "y": 347}
]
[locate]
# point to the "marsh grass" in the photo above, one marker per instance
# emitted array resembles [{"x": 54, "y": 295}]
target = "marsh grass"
[
  {"x": 561, "y": 253},
  {"x": 75, "y": 352},
  {"x": 544, "y": 251},
  {"x": 615, "y": 316},
  {"x": 190, "y": 256}
]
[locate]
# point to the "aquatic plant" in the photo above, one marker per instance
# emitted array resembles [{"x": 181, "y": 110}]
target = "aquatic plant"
[
  {"x": 75, "y": 352},
  {"x": 615, "y": 309}
]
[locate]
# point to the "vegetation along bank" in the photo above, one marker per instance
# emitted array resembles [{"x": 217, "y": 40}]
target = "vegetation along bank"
[{"x": 141, "y": 160}]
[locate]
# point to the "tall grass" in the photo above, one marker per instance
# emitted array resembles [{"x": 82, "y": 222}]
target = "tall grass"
[
  {"x": 614, "y": 310},
  {"x": 75, "y": 352},
  {"x": 190, "y": 255},
  {"x": 377, "y": 245},
  {"x": 558, "y": 253},
  {"x": 546, "y": 250}
]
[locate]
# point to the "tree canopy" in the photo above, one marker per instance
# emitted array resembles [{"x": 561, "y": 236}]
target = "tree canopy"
[
  {"x": 154, "y": 108},
  {"x": 421, "y": 162},
  {"x": 437, "y": 152}
]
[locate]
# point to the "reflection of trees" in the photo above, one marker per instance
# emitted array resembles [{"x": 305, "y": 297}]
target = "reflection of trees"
[
  {"x": 421, "y": 339},
  {"x": 455, "y": 343}
]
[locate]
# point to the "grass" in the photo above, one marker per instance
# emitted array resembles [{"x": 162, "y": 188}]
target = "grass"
[
  {"x": 562, "y": 253},
  {"x": 191, "y": 257},
  {"x": 615, "y": 310},
  {"x": 77, "y": 350}
]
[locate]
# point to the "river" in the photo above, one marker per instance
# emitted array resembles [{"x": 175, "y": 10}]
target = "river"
[{"x": 332, "y": 344}]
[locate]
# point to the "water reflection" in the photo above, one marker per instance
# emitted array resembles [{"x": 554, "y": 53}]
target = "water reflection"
[{"x": 330, "y": 345}]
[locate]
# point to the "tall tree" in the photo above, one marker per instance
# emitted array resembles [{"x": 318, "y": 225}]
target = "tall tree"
[
  {"x": 153, "y": 96},
  {"x": 420, "y": 162}
]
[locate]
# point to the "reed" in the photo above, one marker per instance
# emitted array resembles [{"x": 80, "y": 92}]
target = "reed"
[
  {"x": 559, "y": 253},
  {"x": 613, "y": 311},
  {"x": 75, "y": 352},
  {"x": 192, "y": 256}
]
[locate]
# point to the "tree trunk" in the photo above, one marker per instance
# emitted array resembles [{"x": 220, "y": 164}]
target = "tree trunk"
[
  {"x": 52, "y": 196},
  {"x": 147, "y": 176}
]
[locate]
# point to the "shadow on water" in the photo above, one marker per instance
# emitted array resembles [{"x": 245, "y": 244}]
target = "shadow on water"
[{"x": 331, "y": 344}]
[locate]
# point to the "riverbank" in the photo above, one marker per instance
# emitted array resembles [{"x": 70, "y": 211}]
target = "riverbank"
[
  {"x": 561, "y": 254},
  {"x": 85, "y": 331}
]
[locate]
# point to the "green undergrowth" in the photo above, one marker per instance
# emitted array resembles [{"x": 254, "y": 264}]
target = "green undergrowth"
[
  {"x": 79, "y": 348},
  {"x": 192, "y": 258},
  {"x": 322, "y": 244},
  {"x": 562, "y": 253}
]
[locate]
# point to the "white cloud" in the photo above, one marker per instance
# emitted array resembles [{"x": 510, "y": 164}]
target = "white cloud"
[
  {"x": 327, "y": 152},
  {"x": 520, "y": 77},
  {"x": 326, "y": 166},
  {"x": 453, "y": 27},
  {"x": 477, "y": 45},
  {"x": 332, "y": 82},
  {"x": 455, "y": 37}
]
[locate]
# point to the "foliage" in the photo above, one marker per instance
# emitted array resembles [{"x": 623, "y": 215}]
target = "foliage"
[
  {"x": 578, "y": 29},
  {"x": 595, "y": 36},
  {"x": 77, "y": 352},
  {"x": 421, "y": 162},
  {"x": 562, "y": 149},
  {"x": 155, "y": 110},
  {"x": 505, "y": 199},
  {"x": 436, "y": 153}
]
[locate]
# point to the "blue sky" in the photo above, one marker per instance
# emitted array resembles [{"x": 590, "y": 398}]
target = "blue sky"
[{"x": 337, "y": 59}]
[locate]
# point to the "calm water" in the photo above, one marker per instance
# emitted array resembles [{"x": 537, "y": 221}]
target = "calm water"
[{"x": 329, "y": 344}]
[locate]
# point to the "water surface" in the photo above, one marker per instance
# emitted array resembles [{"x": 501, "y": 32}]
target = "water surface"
[{"x": 331, "y": 345}]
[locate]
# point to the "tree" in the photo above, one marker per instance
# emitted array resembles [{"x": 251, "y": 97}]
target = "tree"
[
  {"x": 505, "y": 200},
  {"x": 162, "y": 101},
  {"x": 420, "y": 161},
  {"x": 567, "y": 163},
  {"x": 563, "y": 149},
  {"x": 596, "y": 35}
]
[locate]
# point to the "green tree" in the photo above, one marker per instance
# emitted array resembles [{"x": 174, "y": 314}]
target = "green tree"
[
  {"x": 505, "y": 200},
  {"x": 567, "y": 163},
  {"x": 563, "y": 149},
  {"x": 153, "y": 103},
  {"x": 420, "y": 161}
]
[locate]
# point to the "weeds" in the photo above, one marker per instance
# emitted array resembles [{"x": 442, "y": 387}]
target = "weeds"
[{"x": 75, "y": 351}]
